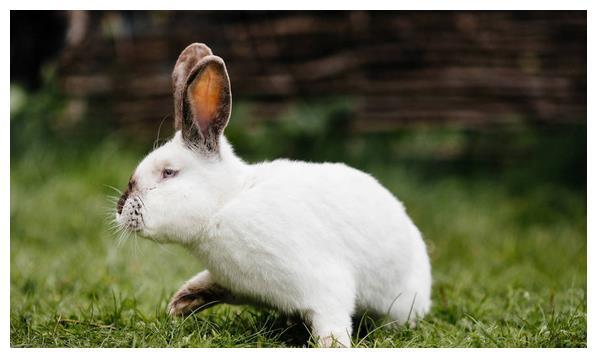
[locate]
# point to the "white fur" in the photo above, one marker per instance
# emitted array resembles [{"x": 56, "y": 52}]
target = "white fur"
[{"x": 322, "y": 240}]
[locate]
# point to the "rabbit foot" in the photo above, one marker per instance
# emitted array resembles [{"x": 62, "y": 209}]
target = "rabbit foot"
[
  {"x": 196, "y": 295},
  {"x": 331, "y": 330}
]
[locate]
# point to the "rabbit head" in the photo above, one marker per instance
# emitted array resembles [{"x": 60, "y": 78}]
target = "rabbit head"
[{"x": 175, "y": 188}]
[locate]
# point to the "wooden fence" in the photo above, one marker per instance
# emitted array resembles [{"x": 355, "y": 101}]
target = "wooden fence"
[{"x": 397, "y": 67}]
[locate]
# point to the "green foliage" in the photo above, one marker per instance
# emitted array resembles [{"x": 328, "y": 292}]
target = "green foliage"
[
  {"x": 517, "y": 152},
  {"x": 313, "y": 130}
]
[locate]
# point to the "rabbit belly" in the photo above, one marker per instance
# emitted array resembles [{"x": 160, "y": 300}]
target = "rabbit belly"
[{"x": 321, "y": 237}]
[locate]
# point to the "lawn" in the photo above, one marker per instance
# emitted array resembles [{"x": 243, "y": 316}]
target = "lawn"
[{"x": 509, "y": 264}]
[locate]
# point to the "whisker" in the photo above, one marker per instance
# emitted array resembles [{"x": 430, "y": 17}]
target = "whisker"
[
  {"x": 111, "y": 203},
  {"x": 123, "y": 235},
  {"x": 165, "y": 249},
  {"x": 136, "y": 250},
  {"x": 139, "y": 246},
  {"x": 141, "y": 200},
  {"x": 119, "y": 239},
  {"x": 109, "y": 213},
  {"x": 112, "y": 223},
  {"x": 115, "y": 227},
  {"x": 113, "y": 188},
  {"x": 155, "y": 143}
]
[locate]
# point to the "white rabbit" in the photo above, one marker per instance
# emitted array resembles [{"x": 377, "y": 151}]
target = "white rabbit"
[{"x": 323, "y": 241}]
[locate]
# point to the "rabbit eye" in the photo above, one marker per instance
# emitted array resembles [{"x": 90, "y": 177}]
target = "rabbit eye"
[{"x": 168, "y": 173}]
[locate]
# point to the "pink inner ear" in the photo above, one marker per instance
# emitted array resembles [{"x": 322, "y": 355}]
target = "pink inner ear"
[{"x": 206, "y": 96}]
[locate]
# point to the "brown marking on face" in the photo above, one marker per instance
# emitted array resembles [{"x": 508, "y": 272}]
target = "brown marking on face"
[{"x": 130, "y": 187}]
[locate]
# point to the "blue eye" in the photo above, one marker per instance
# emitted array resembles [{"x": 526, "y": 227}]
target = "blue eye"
[{"x": 168, "y": 173}]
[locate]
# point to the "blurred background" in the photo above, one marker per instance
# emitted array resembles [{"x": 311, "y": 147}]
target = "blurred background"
[
  {"x": 475, "y": 119},
  {"x": 477, "y": 85}
]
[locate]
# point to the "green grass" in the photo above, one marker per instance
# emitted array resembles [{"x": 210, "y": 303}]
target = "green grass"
[{"x": 509, "y": 264}]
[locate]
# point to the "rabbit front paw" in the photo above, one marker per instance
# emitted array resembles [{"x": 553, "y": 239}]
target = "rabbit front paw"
[{"x": 196, "y": 295}]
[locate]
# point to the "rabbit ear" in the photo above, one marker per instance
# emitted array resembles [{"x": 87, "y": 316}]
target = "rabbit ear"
[
  {"x": 186, "y": 62},
  {"x": 207, "y": 103}
]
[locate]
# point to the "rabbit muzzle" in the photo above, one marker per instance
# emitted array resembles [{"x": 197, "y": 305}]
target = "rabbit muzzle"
[{"x": 129, "y": 209}]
